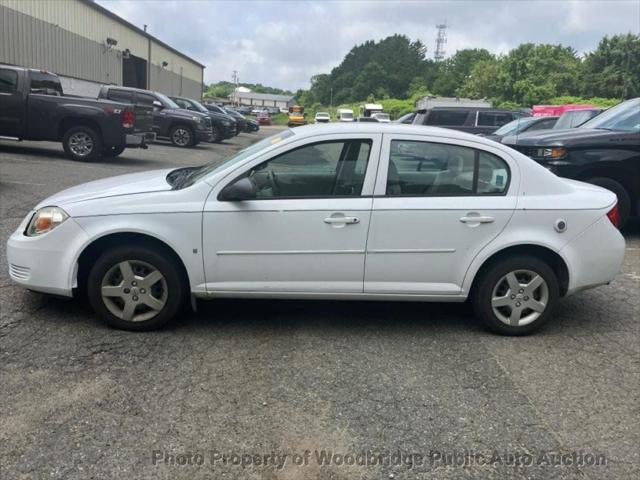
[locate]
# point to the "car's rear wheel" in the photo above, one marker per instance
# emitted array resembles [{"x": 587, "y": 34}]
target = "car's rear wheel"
[
  {"x": 516, "y": 296},
  {"x": 181, "y": 136},
  {"x": 624, "y": 200},
  {"x": 135, "y": 288},
  {"x": 82, "y": 143}
]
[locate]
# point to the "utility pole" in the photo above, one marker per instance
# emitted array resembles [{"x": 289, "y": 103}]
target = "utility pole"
[
  {"x": 236, "y": 81},
  {"x": 441, "y": 39}
]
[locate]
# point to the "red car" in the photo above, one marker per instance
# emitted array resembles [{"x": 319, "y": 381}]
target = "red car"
[{"x": 263, "y": 118}]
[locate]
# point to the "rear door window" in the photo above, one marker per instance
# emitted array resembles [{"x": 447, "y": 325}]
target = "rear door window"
[
  {"x": 8, "y": 81},
  {"x": 453, "y": 118},
  {"x": 45, "y": 83},
  {"x": 436, "y": 169}
]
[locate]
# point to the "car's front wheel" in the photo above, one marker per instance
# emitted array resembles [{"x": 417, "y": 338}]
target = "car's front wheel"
[
  {"x": 516, "y": 296},
  {"x": 181, "y": 136},
  {"x": 135, "y": 288}
]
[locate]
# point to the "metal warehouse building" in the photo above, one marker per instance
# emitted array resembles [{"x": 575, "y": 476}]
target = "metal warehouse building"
[
  {"x": 87, "y": 45},
  {"x": 263, "y": 99}
]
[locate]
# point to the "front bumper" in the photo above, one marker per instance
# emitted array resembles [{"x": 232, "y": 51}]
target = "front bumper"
[
  {"x": 46, "y": 263},
  {"x": 204, "y": 135}
]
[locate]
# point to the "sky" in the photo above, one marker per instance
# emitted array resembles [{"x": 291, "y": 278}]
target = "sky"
[{"x": 283, "y": 43}]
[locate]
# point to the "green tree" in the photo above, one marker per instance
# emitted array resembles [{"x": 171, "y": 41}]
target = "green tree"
[
  {"x": 453, "y": 72},
  {"x": 613, "y": 68}
]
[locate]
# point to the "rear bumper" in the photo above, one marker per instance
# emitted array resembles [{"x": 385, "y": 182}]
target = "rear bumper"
[
  {"x": 595, "y": 256},
  {"x": 139, "y": 140}
]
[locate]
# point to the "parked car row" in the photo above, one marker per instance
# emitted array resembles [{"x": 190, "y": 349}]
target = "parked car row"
[{"x": 34, "y": 107}]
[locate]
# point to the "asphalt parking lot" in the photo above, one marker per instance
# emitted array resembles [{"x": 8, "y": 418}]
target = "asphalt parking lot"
[{"x": 243, "y": 389}]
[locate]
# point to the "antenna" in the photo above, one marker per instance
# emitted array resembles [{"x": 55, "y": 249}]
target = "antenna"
[
  {"x": 441, "y": 39},
  {"x": 236, "y": 81}
]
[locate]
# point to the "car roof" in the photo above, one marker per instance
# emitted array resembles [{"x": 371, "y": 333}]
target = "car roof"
[{"x": 388, "y": 128}]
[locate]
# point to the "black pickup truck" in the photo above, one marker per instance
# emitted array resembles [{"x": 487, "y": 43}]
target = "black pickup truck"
[
  {"x": 183, "y": 128},
  {"x": 33, "y": 107},
  {"x": 604, "y": 151}
]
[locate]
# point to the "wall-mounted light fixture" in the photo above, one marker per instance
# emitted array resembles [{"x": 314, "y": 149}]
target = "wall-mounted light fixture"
[
  {"x": 109, "y": 43},
  {"x": 165, "y": 64}
]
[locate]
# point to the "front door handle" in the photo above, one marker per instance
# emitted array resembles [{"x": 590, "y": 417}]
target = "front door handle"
[
  {"x": 341, "y": 220},
  {"x": 477, "y": 219}
]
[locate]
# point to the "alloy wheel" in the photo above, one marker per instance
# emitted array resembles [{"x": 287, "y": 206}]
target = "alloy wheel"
[
  {"x": 519, "y": 297},
  {"x": 181, "y": 137},
  {"x": 81, "y": 144},
  {"x": 134, "y": 291}
]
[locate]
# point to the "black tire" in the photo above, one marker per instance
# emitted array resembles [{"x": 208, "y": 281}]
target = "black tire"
[
  {"x": 82, "y": 144},
  {"x": 624, "y": 199},
  {"x": 217, "y": 135},
  {"x": 492, "y": 278},
  {"x": 182, "y": 136},
  {"x": 171, "y": 288},
  {"x": 112, "y": 152}
]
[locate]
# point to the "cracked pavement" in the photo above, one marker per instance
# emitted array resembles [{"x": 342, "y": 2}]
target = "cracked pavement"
[{"x": 80, "y": 400}]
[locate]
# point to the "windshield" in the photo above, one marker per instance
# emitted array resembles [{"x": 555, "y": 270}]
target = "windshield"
[
  {"x": 624, "y": 117},
  {"x": 209, "y": 168},
  {"x": 346, "y": 115},
  {"x": 198, "y": 106},
  {"x": 514, "y": 126},
  {"x": 574, "y": 118},
  {"x": 166, "y": 101}
]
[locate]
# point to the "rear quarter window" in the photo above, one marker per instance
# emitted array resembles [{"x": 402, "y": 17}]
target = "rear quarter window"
[{"x": 454, "y": 118}]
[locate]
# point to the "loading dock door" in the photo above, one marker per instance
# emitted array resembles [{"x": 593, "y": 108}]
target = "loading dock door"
[{"x": 134, "y": 72}]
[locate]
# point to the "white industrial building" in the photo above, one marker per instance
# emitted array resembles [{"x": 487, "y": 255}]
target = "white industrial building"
[{"x": 88, "y": 45}]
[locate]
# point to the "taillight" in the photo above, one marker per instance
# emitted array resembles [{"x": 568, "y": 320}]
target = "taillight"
[
  {"x": 128, "y": 117},
  {"x": 613, "y": 215}
]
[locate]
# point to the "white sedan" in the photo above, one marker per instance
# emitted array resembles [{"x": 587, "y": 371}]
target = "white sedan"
[{"x": 340, "y": 211}]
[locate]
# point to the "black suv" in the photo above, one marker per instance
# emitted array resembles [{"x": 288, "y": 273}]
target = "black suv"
[
  {"x": 604, "y": 151},
  {"x": 467, "y": 119},
  {"x": 184, "y": 128},
  {"x": 241, "y": 122},
  {"x": 223, "y": 126}
]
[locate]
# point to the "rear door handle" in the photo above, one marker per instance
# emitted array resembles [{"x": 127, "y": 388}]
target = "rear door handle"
[
  {"x": 341, "y": 220},
  {"x": 477, "y": 219}
]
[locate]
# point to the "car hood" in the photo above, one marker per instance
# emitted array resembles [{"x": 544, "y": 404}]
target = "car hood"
[
  {"x": 183, "y": 112},
  {"x": 130, "y": 184},
  {"x": 553, "y": 138}
]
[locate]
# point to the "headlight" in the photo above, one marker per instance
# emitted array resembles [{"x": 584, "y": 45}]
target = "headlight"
[
  {"x": 554, "y": 152},
  {"x": 45, "y": 220},
  {"x": 196, "y": 119},
  {"x": 226, "y": 123}
]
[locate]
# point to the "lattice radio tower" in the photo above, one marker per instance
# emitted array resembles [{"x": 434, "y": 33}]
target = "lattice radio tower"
[{"x": 441, "y": 39}]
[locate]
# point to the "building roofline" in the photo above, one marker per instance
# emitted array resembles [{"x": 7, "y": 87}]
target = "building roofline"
[{"x": 117, "y": 18}]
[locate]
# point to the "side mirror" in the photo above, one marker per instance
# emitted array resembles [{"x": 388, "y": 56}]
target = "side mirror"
[
  {"x": 243, "y": 189},
  {"x": 157, "y": 104}
]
